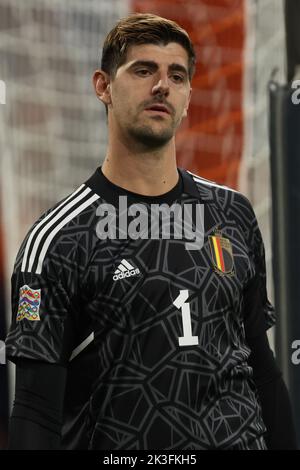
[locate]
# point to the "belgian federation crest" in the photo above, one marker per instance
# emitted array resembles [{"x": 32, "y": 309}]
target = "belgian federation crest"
[
  {"x": 221, "y": 252},
  {"x": 29, "y": 304}
]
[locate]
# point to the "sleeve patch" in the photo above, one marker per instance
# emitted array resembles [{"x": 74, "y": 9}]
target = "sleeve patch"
[{"x": 29, "y": 303}]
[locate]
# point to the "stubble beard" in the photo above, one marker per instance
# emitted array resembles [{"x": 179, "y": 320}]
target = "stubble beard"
[
  {"x": 141, "y": 136},
  {"x": 150, "y": 138}
]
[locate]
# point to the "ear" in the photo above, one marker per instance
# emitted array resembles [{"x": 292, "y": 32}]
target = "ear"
[
  {"x": 185, "y": 110},
  {"x": 101, "y": 82}
]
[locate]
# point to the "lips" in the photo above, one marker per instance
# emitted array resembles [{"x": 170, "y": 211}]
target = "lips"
[{"x": 158, "y": 107}]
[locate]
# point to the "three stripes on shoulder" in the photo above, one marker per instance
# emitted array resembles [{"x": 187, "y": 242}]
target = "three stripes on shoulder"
[{"x": 43, "y": 233}]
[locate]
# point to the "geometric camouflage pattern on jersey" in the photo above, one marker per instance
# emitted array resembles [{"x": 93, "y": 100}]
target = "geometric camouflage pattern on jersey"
[{"x": 133, "y": 382}]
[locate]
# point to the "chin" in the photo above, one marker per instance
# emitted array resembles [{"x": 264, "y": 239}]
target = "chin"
[{"x": 151, "y": 137}]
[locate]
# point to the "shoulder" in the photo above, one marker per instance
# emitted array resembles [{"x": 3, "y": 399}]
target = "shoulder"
[
  {"x": 57, "y": 230},
  {"x": 231, "y": 201}
]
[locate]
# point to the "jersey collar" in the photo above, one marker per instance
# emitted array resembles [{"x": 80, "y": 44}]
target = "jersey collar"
[
  {"x": 189, "y": 185},
  {"x": 110, "y": 192}
]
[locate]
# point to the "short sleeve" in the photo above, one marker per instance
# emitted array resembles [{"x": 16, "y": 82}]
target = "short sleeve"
[
  {"x": 259, "y": 313},
  {"x": 43, "y": 307}
]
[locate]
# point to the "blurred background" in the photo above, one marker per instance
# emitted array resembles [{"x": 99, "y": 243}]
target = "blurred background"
[{"x": 242, "y": 128}]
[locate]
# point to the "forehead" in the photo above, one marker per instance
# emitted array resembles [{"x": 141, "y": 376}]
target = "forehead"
[{"x": 160, "y": 53}]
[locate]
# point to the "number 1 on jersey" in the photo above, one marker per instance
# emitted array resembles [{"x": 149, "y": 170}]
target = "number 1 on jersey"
[{"x": 180, "y": 302}]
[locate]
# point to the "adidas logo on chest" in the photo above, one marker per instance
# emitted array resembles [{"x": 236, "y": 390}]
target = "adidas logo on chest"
[{"x": 125, "y": 269}]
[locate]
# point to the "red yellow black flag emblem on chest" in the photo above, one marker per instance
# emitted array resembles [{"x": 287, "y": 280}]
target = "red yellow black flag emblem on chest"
[{"x": 221, "y": 252}]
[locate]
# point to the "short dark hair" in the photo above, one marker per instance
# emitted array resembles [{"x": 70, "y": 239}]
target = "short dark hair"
[{"x": 143, "y": 28}]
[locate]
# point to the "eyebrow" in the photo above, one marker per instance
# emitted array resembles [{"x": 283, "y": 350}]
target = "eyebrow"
[{"x": 154, "y": 66}]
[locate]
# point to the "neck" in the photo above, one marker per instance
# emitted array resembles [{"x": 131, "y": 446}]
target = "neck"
[{"x": 145, "y": 172}]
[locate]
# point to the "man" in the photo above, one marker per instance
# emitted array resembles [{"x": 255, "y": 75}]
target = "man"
[{"x": 155, "y": 339}]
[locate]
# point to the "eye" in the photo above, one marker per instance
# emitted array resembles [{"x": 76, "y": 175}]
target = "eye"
[
  {"x": 143, "y": 72},
  {"x": 178, "y": 78}
]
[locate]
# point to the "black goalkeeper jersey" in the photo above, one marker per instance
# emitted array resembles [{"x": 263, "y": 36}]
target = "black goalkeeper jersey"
[{"x": 154, "y": 334}]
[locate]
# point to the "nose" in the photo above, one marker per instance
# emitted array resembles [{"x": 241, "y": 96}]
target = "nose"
[{"x": 162, "y": 85}]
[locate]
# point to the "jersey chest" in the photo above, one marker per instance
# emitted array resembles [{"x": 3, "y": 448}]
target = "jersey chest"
[{"x": 159, "y": 288}]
